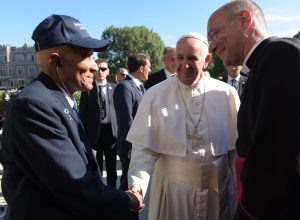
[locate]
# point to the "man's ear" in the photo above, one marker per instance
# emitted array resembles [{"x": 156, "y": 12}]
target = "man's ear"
[
  {"x": 141, "y": 69},
  {"x": 55, "y": 60},
  {"x": 207, "y": 60},
  {"x": 246, "y": 19}
]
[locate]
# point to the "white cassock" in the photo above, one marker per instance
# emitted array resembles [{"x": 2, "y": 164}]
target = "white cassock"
[{"x": 192, "y": 178}]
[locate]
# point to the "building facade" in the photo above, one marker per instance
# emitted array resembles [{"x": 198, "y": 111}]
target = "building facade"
[{"x": 18, "y": 66}]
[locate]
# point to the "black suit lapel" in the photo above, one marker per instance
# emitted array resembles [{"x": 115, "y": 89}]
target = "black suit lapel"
[
  {"x": 95, "y": 94},
  {"x": 135, "y": 87},
  {"x": 251, "y": 61},
  {"x": 163, "y": 75}
]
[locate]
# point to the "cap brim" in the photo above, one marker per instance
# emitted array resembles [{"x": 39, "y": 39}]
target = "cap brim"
[{"x": 91, "y": 43}]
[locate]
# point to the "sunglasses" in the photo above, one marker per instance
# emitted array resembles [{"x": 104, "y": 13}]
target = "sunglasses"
[{"x": 102, "y": 69}]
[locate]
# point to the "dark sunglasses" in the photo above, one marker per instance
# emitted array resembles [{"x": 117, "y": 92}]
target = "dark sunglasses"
[{"x": 102, "y": 69}]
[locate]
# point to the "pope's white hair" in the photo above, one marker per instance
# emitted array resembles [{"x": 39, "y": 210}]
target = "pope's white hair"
[{"x": 194, "y": 35}]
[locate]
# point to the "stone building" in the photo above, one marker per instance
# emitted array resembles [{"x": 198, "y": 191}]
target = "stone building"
[{"x": 18, "y": 66}]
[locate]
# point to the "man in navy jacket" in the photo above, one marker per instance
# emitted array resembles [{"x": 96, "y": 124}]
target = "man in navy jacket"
[{"x": 49, "y": 169}]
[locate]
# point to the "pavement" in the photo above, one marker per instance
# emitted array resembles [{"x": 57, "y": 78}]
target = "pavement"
[{"x": 143, "y": 214}]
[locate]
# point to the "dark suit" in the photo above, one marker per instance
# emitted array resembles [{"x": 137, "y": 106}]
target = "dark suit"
[
  {"x": 101, "y": 136},
  {"x": 269, "y": 131},
  {"x": 127, "y": 97},
  {"x": 242, "y": 83},
  {"x": 49, "y": 169},
  {"x": 155, "y": 78}
]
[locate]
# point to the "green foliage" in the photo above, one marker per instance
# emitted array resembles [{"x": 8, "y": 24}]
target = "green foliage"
[
  {"x": 216, "y": 67},
  {"x": 76, "y": 96},
  {"x": 127, "y": 40}
]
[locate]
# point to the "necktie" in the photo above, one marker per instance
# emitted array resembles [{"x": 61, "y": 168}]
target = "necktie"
[
  {"x": 102, "y": 102},
  {"x": 233, "y": 83},
  {"x": 75, "y": 108},
  {"x": 142, "y": 88}
]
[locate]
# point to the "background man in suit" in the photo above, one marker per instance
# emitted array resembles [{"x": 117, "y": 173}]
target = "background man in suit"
[
  {"x": 235, "y": 79},
  {"x": 121, "y": 74},
  {"x": 127, "y": 97},
  {"x": 49, "y": 169},
  {"x": 98, "y": 117},
  {"x": 268, "y": 119},
  {"x": 167, "y": 71}
]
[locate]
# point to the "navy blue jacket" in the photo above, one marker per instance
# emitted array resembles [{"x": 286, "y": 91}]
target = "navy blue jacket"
[
  {"x": 49, "y": 169},
  {"x": 127, "y": 97}
]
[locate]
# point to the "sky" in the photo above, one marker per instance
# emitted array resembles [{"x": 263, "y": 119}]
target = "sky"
[{"x": 168, "y": 18}]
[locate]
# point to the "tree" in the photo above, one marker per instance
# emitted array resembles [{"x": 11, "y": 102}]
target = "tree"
[
  {"x": 127, "y": 40},
  {"x": 216, "y": 67}
]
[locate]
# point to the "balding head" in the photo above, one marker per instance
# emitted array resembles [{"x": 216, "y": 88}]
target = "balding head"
[
  {"x": 233, "y": 8},
  {"x": 169, "y": 59},
  {"x": 234, "y": 29}
]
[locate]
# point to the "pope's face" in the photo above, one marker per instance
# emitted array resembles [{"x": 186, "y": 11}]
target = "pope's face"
[{"x": 190, "y": 60}]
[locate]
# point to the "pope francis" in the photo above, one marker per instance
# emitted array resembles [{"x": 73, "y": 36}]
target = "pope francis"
[{"x": 184, "y": 136}]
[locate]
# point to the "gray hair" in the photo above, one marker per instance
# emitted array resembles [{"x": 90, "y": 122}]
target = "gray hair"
[
  {"x": 167, "y": 49},
  {"x": 120, "y": 70}
]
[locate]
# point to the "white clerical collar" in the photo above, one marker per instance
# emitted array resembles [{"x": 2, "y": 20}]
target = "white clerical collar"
[
  {"x": 168, "y": 74},
  {"x": 135, "y": 80},
  {"x": 246, "y": 69},
  {"x": 70, "y": 100}
]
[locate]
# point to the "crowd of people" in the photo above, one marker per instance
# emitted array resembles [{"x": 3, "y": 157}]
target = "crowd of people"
[{"x": 208, "y": 149}]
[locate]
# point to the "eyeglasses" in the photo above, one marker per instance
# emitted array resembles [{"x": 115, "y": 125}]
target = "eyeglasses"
[
  {"x": 212, "y": 36},
  {"x": 102, "y": 69}
]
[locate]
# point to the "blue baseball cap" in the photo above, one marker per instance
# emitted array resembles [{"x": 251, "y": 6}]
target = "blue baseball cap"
[{"x": 62, "y": 29}]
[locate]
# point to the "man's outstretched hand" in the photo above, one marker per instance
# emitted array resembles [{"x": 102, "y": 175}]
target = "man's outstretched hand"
[{"x": 136, "y": 202}]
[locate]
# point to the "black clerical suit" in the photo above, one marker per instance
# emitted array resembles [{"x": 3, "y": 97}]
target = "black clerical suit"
[
  {"x": 101, "y": 135},
  {"x": 269, "y": 132},
  {"x": 127, "y": 97},
  {"x": 49, "y": 168},
  {"x": 155, "y": 78}
]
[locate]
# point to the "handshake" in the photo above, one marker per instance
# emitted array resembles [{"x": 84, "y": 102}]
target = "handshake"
[{"x": 136, "y": 201}]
